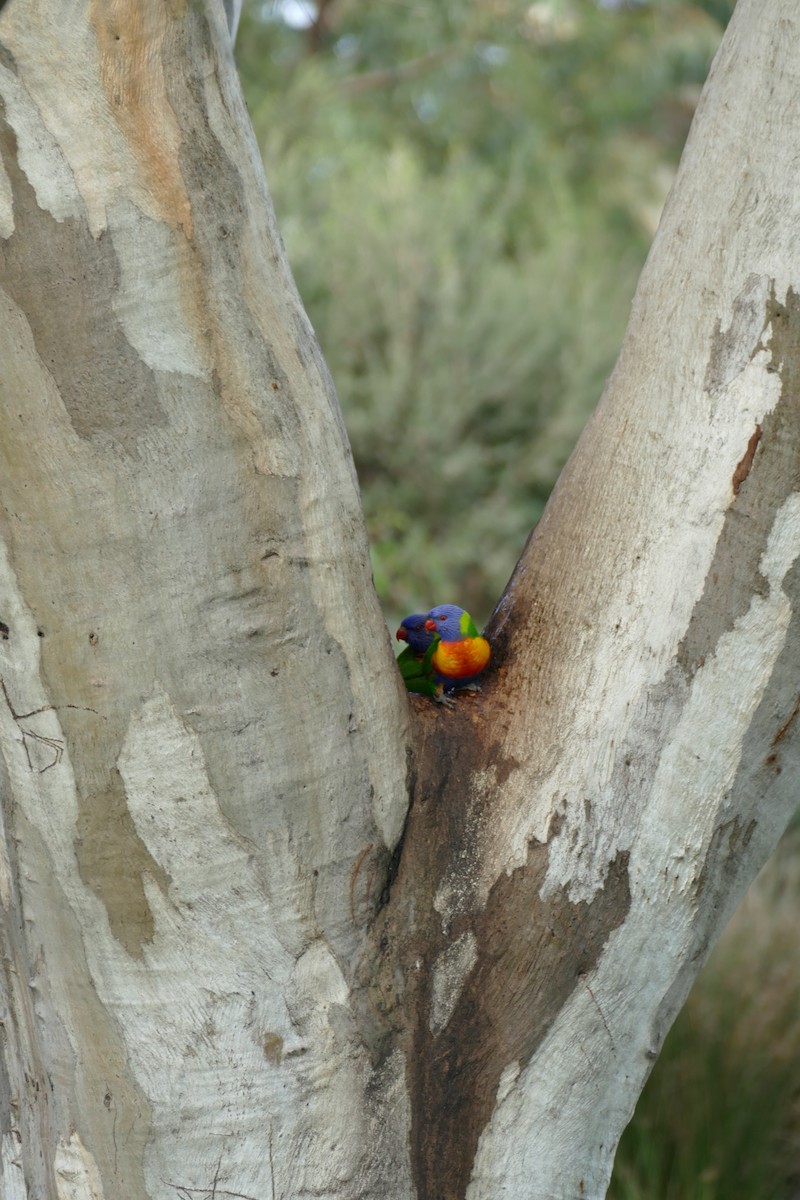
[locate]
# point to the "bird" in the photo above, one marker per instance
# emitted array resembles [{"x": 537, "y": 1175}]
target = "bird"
[
  {"x": 415, "y": 661},
  {"x": 412, "y": 630},
  {"x": 461, "y": 653}
]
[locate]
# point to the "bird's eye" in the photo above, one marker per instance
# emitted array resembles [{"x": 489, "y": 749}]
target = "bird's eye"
[{"x": 442, "y": 617}]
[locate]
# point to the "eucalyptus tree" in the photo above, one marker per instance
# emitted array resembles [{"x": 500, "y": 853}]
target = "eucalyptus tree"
[{"x": 270, "y": 929}]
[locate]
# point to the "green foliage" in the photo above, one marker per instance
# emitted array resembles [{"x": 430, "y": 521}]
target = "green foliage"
[
  {"x": 719, "y": 1118},
  {"x": 466, "y": 193},
  {"x": 465, "y": 375}
]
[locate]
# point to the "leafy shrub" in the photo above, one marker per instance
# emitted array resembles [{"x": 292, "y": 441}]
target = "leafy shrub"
[
  {"x": 465, "y": 372},
  {"x": 466, "y": 236}
]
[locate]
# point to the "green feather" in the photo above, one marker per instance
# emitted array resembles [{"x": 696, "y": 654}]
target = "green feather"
[
  {"x": 410, "y": 666},
  {"x": 468, "y": 627},
  {"x": 418, "y": 672},
  {"x": 424, "y": 687}
]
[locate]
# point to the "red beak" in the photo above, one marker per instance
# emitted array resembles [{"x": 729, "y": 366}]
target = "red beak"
[
  {"x": 430, "y": 625},
  {"x": 401, "y": 634}
]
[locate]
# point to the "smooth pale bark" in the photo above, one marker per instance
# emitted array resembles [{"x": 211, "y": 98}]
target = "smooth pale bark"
[
  {"x": 651, "y": 631},
  {"x": 263, "y": 935},
  {"x": 202, "y": 731}
]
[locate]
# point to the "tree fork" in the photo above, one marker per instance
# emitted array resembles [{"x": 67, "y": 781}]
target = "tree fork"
[{"x": 234, "y": 959}]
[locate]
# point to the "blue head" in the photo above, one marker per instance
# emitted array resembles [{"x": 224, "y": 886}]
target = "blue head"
[
  {"x": 412, "y": 630},
  {"x": 452, "y": 623}
]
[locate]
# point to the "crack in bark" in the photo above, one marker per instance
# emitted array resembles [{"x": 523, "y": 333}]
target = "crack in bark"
[{"x": 784, "y": 729}]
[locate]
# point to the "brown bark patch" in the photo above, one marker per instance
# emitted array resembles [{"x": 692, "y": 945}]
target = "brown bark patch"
[
  {"x": 745, "y": 463},
  {"x": 132, "y": 40},
  {"x": 531, "y": 955},
  {"x": 113, "y": 859},
  {"x": 524, "y": 955}
]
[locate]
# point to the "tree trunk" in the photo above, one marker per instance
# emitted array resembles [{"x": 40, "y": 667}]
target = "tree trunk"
[{"x": 269, "y": 930}]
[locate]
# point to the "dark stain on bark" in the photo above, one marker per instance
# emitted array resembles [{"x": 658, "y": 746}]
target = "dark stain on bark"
[
  {"x": 744, "y": 465},
  {"x": 530, "y": 953},
  {"x": 723, "y": 855},
  {"x": 768, "y": 472},
  {"x": 113, "y": 860},
  {"x": 60, "y": 275}
]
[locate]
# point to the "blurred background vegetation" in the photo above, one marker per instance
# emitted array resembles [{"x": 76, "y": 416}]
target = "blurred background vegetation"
[{"x": 467, "y": 190}]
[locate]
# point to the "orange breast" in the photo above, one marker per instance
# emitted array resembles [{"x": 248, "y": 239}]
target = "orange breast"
[{"x": 457, "y": 660}]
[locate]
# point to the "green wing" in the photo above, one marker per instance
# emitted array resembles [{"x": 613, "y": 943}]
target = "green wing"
[
  {"x": 408, "y": 663},
  {"x": 418, "y": 673}
]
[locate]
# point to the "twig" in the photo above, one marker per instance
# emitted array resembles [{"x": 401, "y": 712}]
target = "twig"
[{"x": 389, "y": 76}]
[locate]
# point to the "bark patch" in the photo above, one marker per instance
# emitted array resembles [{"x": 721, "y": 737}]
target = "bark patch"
[
  {"x": 472, "y": 985},
  {"x": 767, "y": 473},
  {"x": 112, "y": 860},
  {"x": 133, "y": 41},
  {"x": 744, "y": 465},
  {"x": 531, "y": 955},
  {"x": 722, "y": 859},
  {"x": 729, "y": 350},
  {"x": 57, "y": 273}
]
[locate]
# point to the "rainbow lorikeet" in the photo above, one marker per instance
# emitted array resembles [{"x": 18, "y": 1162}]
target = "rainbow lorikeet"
[
  {"x": 461, "y": 653},
  {"x": 415, "y": 660},
  {"x": 412, "y": 630}
]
